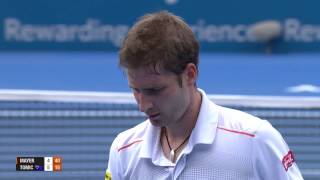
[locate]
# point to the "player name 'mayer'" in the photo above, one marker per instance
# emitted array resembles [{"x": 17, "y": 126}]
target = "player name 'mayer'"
[{"x": 26, "y": 160}]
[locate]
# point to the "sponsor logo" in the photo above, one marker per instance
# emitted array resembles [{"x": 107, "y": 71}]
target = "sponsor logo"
[{"x": 288, "y": 160}]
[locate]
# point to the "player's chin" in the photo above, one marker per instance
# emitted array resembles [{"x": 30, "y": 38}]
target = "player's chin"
[{"x": 156, "y": 122}]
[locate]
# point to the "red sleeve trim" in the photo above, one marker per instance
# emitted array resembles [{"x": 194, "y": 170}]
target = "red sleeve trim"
[
  {"x": 128, "y": 145},
  {"x": 238, "y": 132}
]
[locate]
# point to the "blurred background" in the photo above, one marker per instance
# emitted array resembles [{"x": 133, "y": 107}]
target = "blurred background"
[{"x": 62, "y": 92}]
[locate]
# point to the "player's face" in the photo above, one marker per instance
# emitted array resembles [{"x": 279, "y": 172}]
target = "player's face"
[{"x": 159, "y": 96}]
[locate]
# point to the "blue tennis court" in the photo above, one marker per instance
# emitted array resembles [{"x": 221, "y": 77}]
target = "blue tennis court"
[{"x": 241, "y": 74}]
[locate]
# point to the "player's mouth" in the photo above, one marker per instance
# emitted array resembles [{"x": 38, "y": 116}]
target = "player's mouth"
[{"x": 153, "y": 117}]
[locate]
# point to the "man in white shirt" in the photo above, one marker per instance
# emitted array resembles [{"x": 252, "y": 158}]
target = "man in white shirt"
[{"x": 186, "y": 135}]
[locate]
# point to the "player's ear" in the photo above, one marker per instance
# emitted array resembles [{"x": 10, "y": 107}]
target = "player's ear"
[{"x": 191, "y": 73}]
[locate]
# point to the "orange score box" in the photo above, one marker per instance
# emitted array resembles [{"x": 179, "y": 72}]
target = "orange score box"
[
  {"x": 57, "y": 160},
  {"x": 57, "y": 163},
  {"x": 57, "y": 167}
]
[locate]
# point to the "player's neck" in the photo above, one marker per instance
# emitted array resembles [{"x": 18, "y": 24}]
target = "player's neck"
[
  {"x": 183, "y": 128},
  {"x": 175, "y": 138}
]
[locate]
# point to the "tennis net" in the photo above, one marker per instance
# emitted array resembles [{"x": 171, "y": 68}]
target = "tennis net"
[{"x": 80, "y": 127}]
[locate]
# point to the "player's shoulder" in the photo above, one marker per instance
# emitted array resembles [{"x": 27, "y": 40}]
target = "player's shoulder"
[
  {"x": 131, "y": 137},
  {"x": 239, "y": 121}
]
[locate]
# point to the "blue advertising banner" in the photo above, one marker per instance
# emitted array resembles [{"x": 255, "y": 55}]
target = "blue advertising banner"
[{"x": 101, "y": 25}]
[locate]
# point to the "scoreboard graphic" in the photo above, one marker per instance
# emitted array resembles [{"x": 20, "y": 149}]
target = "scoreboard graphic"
[{"x": 39, "y": 163}]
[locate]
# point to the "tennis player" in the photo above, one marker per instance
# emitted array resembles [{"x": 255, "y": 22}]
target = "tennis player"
[{"x": 186, "y": 135}]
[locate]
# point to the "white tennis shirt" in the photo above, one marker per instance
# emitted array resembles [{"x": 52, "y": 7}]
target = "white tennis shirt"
[{"x": 225, "y": 144}]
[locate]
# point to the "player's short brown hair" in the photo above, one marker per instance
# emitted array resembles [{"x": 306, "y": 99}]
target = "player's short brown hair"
[{"x": 160, "y": 39}]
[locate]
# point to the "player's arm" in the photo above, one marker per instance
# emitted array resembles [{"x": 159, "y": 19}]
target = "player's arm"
[{"x": 272, "y": 157}]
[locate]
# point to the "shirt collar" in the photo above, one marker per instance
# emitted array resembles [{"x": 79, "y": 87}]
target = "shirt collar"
[
  {"x": 151, "y": 147},
  {"x": 206, "y": 125},
  {"x": 150, "y": 141}
]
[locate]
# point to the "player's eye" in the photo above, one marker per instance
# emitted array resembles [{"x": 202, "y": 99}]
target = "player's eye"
[{"x": 153, "y": 91}]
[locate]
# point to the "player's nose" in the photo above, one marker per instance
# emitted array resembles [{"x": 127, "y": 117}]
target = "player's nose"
[{"x": 144, "y": 102}]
